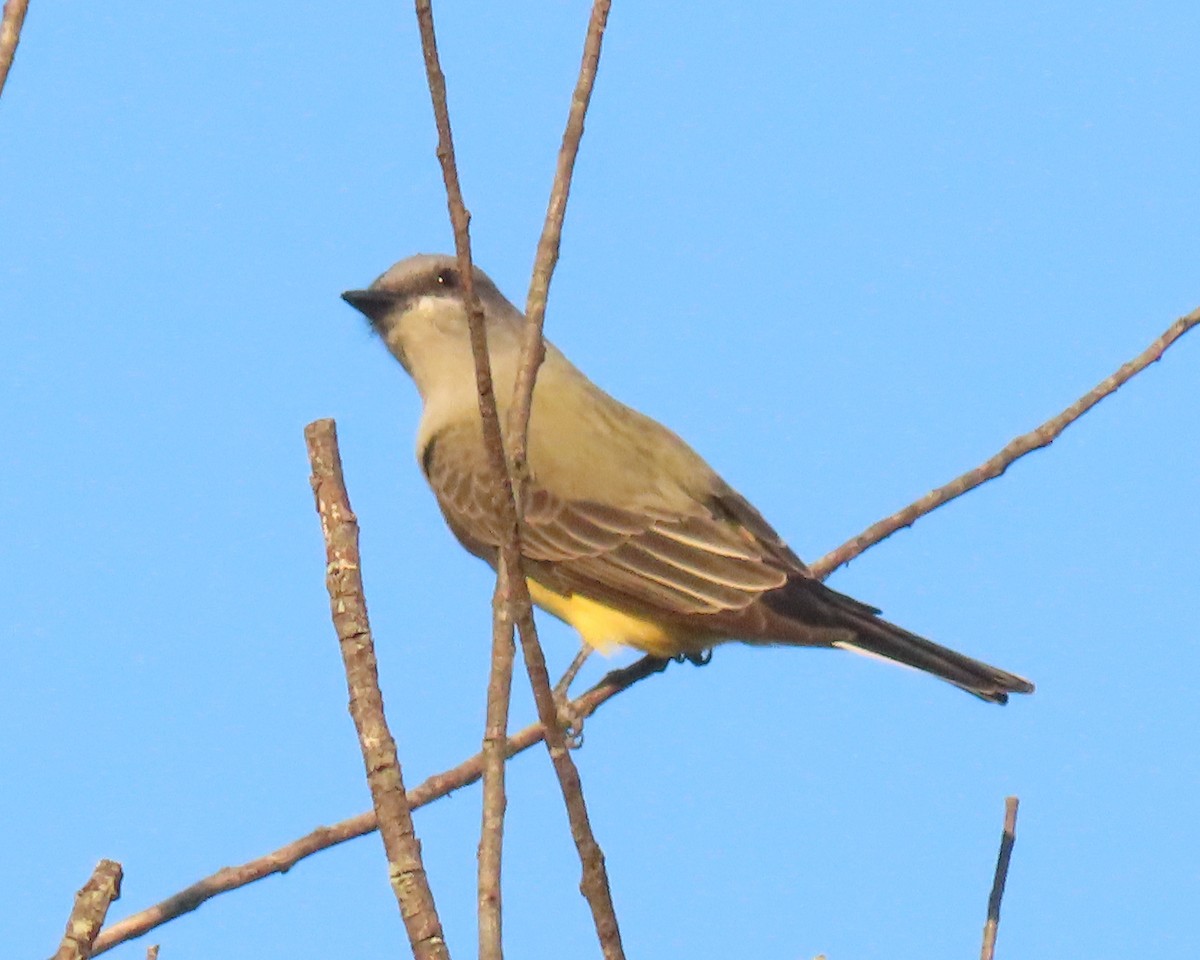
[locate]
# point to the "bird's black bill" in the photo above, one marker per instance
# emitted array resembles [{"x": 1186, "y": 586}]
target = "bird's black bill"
[{"x": 373, "y": 304}]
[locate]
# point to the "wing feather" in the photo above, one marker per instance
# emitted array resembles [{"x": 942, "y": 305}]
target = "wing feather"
[{"x": 700, "y": 563}]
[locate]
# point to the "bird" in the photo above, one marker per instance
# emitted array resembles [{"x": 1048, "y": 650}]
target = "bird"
[{"x": 627, "y": 534}]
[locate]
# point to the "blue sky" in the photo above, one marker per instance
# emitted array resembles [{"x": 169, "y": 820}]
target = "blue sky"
[{"x": 848, "y": 253}]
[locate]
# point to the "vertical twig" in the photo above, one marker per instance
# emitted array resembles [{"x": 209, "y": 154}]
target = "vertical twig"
[
  {"x": 91, "y": 906},
  {"x": 1007, "y": 839},
  {"x": 348, "y": 605},
  {"x": 495, "y": 753},
  {"x": 491, "y": 833},
  {"x": 10, "y": 35},
  {"x": 512, "y": 590},
  {"x": 594, "y": 882}
]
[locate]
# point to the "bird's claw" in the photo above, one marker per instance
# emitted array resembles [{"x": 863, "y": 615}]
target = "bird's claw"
[{"x": 570, "y": 720}]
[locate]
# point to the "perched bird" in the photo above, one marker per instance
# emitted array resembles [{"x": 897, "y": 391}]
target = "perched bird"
[{"x": 628, "y": 535}]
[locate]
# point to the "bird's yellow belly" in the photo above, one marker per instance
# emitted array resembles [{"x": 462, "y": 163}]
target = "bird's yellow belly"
[{"x": 604, "y": 628}]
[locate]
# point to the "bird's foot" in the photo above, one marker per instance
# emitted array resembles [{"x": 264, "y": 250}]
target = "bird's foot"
[
  {"x": 700, "y": 659},
  {"x": 570, "y": 720}
]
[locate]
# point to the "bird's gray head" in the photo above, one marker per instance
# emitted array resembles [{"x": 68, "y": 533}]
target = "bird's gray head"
[{"x": 417, "y": 308}]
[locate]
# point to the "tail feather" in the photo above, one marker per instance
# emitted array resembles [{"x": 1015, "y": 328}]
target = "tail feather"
[
  {"x": 876, "y": 637},
  {"x": 879, "y": 638}
]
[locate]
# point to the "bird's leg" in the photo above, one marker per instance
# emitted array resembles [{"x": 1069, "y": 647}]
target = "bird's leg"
[
  {"x": 569, "y": 719},
  {"x": 638, "y": 670},
  {"x": 700, "y": 659},
  {"x": 563, "y": 687}
]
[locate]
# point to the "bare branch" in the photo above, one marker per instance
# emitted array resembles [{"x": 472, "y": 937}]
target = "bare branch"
[
  {"x": 349, "y": 609},
  {"x": 491, "y": 838},
  {"x": 1007, "y": 840},
  {"x": 532, "y": 350},
  {"x": 512, "y": 591},
  {"x": 10, "y": 35},
  {"x": 287, "y": 856},
  {"x": 594, "y": 882},
  {"x": 494, "y": 754},
  {"x": 91, "y": 906},
  {"x": 467, "y": 772},
  {"x": 1043, "y": 436}
]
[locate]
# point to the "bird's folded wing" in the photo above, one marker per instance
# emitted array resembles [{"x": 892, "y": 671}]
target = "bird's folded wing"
[{"x": 703, "y": 562}]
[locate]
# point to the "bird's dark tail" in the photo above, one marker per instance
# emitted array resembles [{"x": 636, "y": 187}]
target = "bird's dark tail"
[{"x": 876, "y": 637}]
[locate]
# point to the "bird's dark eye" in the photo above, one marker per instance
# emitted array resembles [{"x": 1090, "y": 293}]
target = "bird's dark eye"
[{"x": 448, "y": 278}]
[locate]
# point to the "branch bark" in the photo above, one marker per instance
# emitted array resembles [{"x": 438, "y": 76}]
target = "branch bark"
[
  {"x": 1007, "y": 840},
  {"x": 594, "y": 883},
  {"x": 349, "y": 609},
  {"x": 508, "y": 572},
  {"x": 532, "y": 350},
  {"x": 284, "y": 858},
  {"x": 511, "y": 602},
  {"x": 91, "y": 906},
  {"x": 10, "y": 35},
  {"x": 993, "y": 467}
]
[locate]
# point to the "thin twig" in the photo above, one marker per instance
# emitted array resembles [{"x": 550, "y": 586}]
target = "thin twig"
[
  {"x": 10, "y": 35},
  {"x": 594, "y": 881},
  {"x": 1043, "y": 436},
  {"x": 495, "y": 752},
  {"x": 1007, "y": 840},
  {"x": 509, "y": 571},
  {"x": 349, "y": 609},
  {"x": 91, "y": 906},
  {"x": 152, "y": 952},
  {"x": 467, "y": 772},
  {"x": 512, "y": 591},
  {"x": 532, "y": 349}
]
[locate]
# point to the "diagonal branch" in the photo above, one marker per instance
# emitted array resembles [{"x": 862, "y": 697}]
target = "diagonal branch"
[
  {"x": 91, "y": 906},
  {"x": 532, "y": 350},
  {"x": 284, "y": 858},
  {"x": 467, "y": 772},
  {"x": 10, "y": 35},
  {"x": 348, "y": 605},
  {"x": 1043, "y": 436}
]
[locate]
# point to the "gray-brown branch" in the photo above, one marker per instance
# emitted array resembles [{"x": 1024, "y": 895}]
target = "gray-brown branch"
[
  {"x": 348, "y": 606},
  {"x": 10, "y": 35},
  {"x": 993, "y": 467},
  {"x": 282, "y": 860},
  {"x": 499, "y": 691},
  {"x": 91, "y": 907},
  {"x": 512, "y": 592}
]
